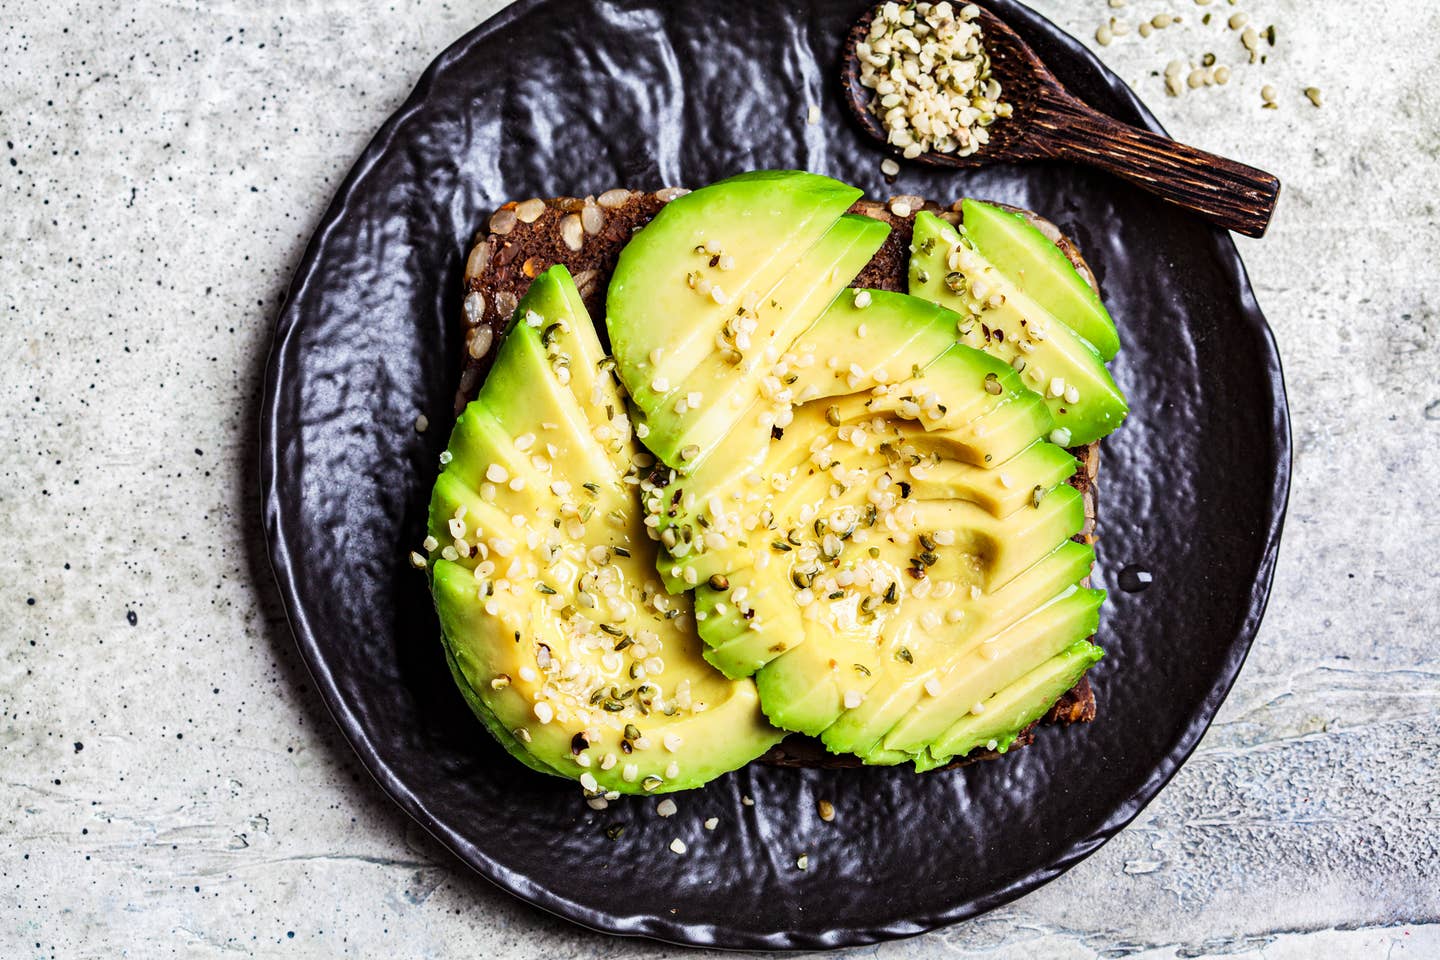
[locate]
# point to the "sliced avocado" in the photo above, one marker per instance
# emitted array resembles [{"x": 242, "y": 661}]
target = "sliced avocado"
[
  {"x": 543, "y": 576},
  {"x": 1003, "y": 489},
  {"x": 900, "y": 341},
  {"x": 873, "y": 517},
  {"x": 1032, "y": 261},
  {"x": 660, "y": 754},
  {"x": 847, "y": 478},
  {"x": 1017, "y": 706},
  {"x": 742, "y": 635},
  {"x": 998, "y": 317},
  {"x": 710, "y": 269},
  {"x": 1001, "y": 549},
  {"x": 728, "y": 384},
  {"x": 922, "y": 655},
  {"x": 505, "y": 737},
  {"x": 869, "y": 337},
  {"x": 805, "y": 689},
  {"x": 976, "y": 676}
]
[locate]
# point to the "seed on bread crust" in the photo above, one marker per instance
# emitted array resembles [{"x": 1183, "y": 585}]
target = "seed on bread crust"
[{"x": 503, "y": 221}]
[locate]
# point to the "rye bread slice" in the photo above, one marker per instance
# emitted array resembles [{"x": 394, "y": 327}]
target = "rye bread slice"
[{"x": 523, "y": 239}]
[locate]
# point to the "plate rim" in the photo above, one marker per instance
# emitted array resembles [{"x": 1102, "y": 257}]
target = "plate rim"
[{"x": 289, "y": 324}]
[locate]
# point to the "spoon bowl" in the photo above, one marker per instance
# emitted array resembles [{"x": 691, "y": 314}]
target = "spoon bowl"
[{"x": 1051, "y": 123}]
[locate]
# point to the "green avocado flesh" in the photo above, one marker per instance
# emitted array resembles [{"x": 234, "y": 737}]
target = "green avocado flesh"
[
  {"x": 1000, "y": 317},
  {"x": 555, "y": 623},
  {"x": 695, "y": 302},
  {"x": 866, "y": 497},
  {"x": 1020, "y": 251}
]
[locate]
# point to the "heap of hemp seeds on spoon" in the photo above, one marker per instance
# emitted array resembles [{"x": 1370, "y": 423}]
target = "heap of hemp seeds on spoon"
[{"x": 931, "y": 76}]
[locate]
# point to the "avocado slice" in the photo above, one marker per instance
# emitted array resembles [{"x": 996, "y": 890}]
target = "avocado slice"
[
  {"x": 1038, "y": 267},
  {"x": 999, "y": 317},
  {"x": 1017, "y": 706},
  {"x": 555, "y": 627},
  {"x": 721, "y": 273},
  {"x": 748, "y": 623}
]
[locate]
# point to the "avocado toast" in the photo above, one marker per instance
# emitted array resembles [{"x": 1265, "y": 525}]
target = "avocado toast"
[{"x": 866, "y": 679}]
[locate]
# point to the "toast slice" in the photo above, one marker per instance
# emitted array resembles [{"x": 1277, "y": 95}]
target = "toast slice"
[{"x": 523, "y": 239}]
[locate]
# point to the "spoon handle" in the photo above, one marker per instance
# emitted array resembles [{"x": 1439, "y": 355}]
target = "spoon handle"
[{"x": 1229, "y": 194}]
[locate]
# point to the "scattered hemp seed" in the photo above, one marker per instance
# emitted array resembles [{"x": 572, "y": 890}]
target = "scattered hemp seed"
[
  {"x": 1250, "y": 40},
  {"x": 422, "y": 423},
  {"x": 418, "y": 561},
  {"x": 746, "y": 801},
  {"x": 930, "y": 74},
  {"x": 1268, "y": 94},
  {"x": 826, "y": 809},
  {"x": 889, "y": 167},
  {"x": 712, "y": 823},
  {"x": 1313, "y": 93},
  {"x": 1175, "y": 77},
  {"x": 803, "y": 863},
  {"x": 666, "y": 808},
  {"x": 677, "y": 845}
]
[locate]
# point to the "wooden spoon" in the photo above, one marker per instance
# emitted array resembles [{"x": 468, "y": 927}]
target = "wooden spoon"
[{"x": 1051, "y": 123}]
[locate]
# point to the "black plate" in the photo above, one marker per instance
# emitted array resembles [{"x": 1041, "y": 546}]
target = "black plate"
[{"x": 554, "y": 97}]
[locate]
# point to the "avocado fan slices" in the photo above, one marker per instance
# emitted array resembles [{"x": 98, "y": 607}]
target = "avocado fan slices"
[
  {"x": 873, "y": 520},
  {"x": 555, "y": 625}
]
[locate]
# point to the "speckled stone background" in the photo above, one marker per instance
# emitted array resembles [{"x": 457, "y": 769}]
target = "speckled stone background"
[{"x": 171, "y": 786}]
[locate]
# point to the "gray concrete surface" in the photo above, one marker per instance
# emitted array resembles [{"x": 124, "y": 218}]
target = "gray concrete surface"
[{"x": 170, "y": 786}]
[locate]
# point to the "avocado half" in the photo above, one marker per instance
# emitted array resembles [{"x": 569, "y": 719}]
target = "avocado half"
[
  {"x": 555, "y": 625},
  {"x": 866, "y": 495}
]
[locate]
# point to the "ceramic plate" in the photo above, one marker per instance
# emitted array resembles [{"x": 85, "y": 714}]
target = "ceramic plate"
[{"x": 553, "y": 97}]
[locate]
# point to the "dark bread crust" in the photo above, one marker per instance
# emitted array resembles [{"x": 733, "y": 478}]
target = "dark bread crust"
[{"x": 524, "y": 239}]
